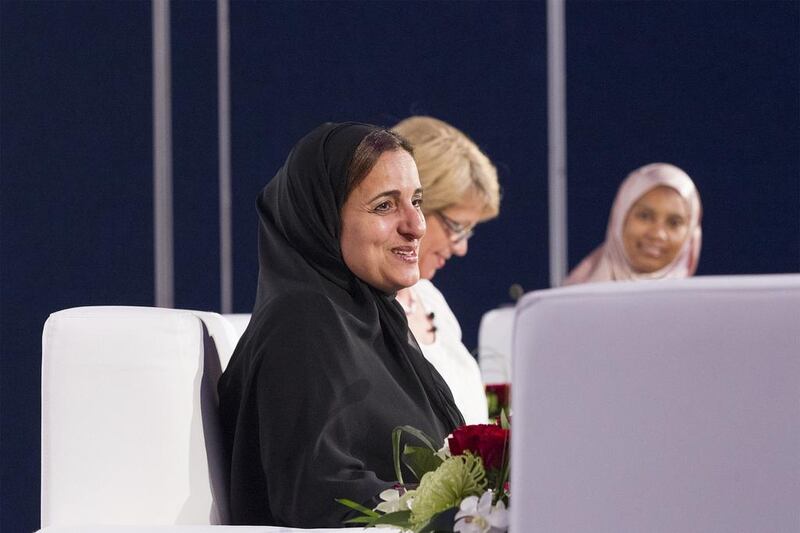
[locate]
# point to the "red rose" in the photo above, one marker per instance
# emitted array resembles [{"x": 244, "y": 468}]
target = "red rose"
[{"x": 489, "y": 442}]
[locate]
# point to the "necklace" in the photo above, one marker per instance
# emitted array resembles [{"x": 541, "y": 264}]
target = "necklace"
[{"x": 410, "y": 308}]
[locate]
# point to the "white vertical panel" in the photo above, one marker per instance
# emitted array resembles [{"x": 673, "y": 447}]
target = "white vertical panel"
[
  {"x": 224, "y": 106},
  {"x": 162, "y": 158},
  {"x": 557, "y": 140}
]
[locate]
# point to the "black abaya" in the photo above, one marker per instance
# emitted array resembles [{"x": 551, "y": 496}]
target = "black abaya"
[{"x": 327, "y": 367}]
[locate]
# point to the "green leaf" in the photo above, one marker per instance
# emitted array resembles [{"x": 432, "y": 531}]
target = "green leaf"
[
  {"x": 423, "y": 438},
  {"x": 504, "y": 423},
  {"x": 397, "y": 518},
  {"x": 368, "y": 520},
  {"x": 358, "y": 507},
  {"x": 492, "y": 404},
  {"x": 420, "y": 460},
  {"x": 505, "y": 470},
  {"x": 396, "y": 433}
]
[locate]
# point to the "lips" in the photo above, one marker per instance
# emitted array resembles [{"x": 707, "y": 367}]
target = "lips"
[
  {"x": 407, "y": 254},
  {"x": 651, "y": 250}
]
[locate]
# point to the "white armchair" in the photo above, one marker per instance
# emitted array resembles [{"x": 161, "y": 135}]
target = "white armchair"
[
  {"x": 130, "y": 436},
  {"x": 129, "y": 421},
  {"x": 658, "y": 406}
]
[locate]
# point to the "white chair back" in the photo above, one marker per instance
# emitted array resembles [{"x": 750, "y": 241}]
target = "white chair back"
[
  {"x": 223, "y": 331},
  {"x": 239, "y": 322},
  {"x": 658, "y": 406},
  {"x": 495, "y": 335},
  {"x": 130, "y": 432}
]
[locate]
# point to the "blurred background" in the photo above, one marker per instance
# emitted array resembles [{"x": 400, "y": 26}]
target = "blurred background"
[{"x": 711, "y": 86}]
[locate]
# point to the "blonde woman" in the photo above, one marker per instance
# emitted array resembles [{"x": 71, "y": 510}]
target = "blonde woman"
[{"x": 460, "y": 190}]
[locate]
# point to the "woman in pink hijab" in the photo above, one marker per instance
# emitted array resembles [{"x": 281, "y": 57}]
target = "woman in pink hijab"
[{"x": 654, "y": 230}]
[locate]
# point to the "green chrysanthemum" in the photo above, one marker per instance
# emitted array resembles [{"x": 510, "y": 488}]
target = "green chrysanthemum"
[{"x": 445, "y": 487}]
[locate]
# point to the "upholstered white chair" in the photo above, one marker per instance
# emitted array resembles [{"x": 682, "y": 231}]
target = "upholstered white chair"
[
  {"x": 495, "y": 335},
  {"x": 129, "y": 417},
  {"x": 130, "y": 436},
  {"x": 658, "y": 406}
]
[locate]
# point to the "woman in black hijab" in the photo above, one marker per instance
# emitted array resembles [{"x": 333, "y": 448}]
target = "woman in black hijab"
[{"x": 327, "y": 368}]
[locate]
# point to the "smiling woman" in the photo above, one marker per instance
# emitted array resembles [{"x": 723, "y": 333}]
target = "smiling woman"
[
  {"x": 654, "y": 230},
  {"x": 326, "y": 363},
  {"x": 382, "y": 224}
]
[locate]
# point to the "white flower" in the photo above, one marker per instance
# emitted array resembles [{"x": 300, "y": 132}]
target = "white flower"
[
  {"x": 480, "y": 516},
  {"x": 444, "y": 451},
  {"x": 394, "y": 500}
]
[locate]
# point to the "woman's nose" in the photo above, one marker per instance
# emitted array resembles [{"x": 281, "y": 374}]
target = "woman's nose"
[
  {"x": 460, "y": 248},
  {"x": 413, "y": 223},
  {"x": 658, "y": 231}
]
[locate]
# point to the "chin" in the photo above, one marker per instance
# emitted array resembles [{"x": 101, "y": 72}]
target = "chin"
[
  {"x": 648, "y": 268},
  {"x": 407, "y": 281},
  {"x": 426, "y": 272}
]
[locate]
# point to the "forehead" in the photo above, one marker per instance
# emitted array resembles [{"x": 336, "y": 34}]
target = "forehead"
[
  {"x": 662, "y": 198},
  {"x": 395, "y": 170},
  {"x": 471, "y": 207}
]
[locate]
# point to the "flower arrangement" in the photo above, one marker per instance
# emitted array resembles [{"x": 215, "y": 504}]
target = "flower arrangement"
[{"x": 463, "y": 486}]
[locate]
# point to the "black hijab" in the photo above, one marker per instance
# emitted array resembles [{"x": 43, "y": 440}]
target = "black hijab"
[{"x": 327, "y": 366}]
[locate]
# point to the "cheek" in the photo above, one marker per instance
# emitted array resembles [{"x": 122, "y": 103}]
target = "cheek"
[
  {"x": 629, "y": 235},
  {"x": 355, "y": 244},
  {"x": 433, "y": 241},
  {"x": 677, "y": 238},
  {"x": 378, "y": 235},
  {"x": 632, "y": 229},
  {"x": 349, "y": 245},
  {"x": 365, "y": 233},
  {"x": 632, "y": 232},
  {"x": 679, "y": 235},
  {"x": 425, "y": 247}
]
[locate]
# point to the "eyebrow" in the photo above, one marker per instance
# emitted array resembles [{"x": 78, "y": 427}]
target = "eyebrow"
[
  {"x": 393, "y": 193},
  {"x": 650, "y": 207}
]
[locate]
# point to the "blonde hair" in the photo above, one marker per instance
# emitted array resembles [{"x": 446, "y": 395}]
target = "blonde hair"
[{"x": 450, "y": 165}]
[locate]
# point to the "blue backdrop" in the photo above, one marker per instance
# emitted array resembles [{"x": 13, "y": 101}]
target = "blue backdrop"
[{"x": 711, "y": 86}]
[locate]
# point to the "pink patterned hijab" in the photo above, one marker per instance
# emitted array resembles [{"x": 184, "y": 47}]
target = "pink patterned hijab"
[{"x": 608, "y": 262}]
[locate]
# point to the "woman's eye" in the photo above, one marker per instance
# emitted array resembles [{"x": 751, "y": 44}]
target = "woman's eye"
[
  {"x": 676, "y": 222},
  {"x": 643, "y": 215},
  {"x": 383, "y": 207}
]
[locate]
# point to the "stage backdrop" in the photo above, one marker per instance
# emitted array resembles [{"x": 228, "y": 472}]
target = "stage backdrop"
[{"x": 711, "y": 86}]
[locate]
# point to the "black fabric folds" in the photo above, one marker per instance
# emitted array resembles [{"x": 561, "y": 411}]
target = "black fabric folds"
[{"x": 327, "y": 366}]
